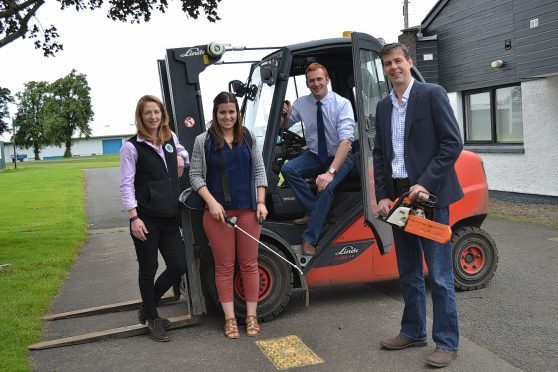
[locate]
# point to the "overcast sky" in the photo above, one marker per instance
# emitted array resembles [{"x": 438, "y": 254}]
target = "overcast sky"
[{"x": 119, "y": 59}]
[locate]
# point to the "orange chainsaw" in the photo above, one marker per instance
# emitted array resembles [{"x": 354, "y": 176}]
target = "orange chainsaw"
[{"x": 413, "y": 217}]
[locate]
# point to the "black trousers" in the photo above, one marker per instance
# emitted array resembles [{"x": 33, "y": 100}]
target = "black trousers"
[{"x": 164, "y": 236}]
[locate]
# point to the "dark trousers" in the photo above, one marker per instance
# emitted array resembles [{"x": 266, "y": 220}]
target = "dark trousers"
[{"x": 164, "y": 236}]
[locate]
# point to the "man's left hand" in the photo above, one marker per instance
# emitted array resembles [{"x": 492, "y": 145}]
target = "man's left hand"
[
  {"x": 419, "y": 191},
  {"x": 323, "y": 180}
]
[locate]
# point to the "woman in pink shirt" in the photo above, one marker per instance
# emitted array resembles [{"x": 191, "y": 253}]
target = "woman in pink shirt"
[{"x": 150, "y": 164}]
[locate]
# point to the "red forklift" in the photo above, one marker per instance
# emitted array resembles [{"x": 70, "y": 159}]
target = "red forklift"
[{"x": 355, "y": 246}]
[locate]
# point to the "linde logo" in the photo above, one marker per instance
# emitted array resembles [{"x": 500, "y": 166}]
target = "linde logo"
[
  {"x": 192, "y": 52},
  {"x": 347, "y": 250}
]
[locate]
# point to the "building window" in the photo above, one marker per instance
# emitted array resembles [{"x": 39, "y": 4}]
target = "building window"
[{"x": 493, "y": 116}]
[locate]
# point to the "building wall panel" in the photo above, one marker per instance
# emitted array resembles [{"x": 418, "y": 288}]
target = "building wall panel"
[{"x": 472, "y": 33}]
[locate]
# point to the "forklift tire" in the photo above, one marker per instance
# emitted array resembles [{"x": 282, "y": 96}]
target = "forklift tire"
[
  {"x": 475, "y": 258},
  {"x": 275, "y": 287}
]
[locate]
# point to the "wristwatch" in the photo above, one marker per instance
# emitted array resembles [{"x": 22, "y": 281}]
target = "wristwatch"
[{"x": 332, "y": 171}]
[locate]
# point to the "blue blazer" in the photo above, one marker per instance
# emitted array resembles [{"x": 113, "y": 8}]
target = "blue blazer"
[{"x": 432, "y": 145}]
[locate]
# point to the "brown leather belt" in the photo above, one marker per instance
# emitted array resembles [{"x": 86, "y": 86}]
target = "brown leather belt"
[{"x": 401, "y": 183}]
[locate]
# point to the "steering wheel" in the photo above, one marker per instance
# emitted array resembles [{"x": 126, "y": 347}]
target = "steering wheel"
[{"x": 291, "y": 144}]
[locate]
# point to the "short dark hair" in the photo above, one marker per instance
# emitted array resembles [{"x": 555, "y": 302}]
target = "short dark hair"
[{"x": 389, "y": 48}]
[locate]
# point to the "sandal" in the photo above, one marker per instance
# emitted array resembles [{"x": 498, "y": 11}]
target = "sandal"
[
  {"x": 231, "y": 329},
  {"x": 252, "y": 326}
]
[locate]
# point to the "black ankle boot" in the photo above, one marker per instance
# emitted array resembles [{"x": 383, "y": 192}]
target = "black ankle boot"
[
  {"x": 142, "y": 317},
  {"x": 157, "y": 330}
]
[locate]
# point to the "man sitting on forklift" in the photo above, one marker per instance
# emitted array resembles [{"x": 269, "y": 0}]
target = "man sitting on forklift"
[{"x": 329, "y": 127}]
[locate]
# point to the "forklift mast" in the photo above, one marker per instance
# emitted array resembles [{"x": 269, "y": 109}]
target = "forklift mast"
[{"x": 179, "y": 77}]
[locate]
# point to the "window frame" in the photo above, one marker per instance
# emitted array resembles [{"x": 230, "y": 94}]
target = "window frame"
[{"x": 493, "y": 142}]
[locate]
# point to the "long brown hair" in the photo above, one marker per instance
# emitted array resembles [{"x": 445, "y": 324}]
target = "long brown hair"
[
  {"x": 215, "y": 128},
  {"x": 163, "y": 132}
]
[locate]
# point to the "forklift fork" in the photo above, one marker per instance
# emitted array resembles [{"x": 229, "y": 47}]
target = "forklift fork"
[
  {"x": 120, "y": 332},
  {"x": 191, "y": 290}
]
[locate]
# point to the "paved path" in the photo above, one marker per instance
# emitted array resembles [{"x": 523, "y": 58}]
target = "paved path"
[{"x": 342, "y": 326}]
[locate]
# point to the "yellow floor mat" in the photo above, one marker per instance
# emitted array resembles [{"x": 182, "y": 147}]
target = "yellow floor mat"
[{"x": 288, "y": 352}]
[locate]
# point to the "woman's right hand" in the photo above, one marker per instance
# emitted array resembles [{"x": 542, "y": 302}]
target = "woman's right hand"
[
  {"x": 217, "y": 211},
  {"x": 139, "y": 231}
]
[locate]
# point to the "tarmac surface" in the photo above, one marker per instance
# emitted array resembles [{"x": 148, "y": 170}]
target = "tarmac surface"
[{"x": 342, "y": 326}]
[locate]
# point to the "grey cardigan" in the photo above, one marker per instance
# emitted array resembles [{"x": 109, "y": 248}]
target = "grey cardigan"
[{"x": 198, "y": 165}]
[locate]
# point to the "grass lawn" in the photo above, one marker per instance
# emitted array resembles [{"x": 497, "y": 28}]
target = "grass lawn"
[{"x": 42, "y": 228}]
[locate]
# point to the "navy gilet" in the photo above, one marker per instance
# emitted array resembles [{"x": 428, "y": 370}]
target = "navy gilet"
[{"x": 156, "y": 186}]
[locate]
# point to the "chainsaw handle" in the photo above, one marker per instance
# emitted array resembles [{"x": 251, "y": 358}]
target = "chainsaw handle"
[
  {"x": 405, "y": 201},
  {"x": 430, "y": 201}
]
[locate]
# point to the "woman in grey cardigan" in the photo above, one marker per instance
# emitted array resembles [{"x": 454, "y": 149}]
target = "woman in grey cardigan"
[{"x": 227, "y": 171}]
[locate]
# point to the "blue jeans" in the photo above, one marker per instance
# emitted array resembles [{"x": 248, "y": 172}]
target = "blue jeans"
[
  {"x": 409, "y": 250},
  {"x": 308, "y": 165}
]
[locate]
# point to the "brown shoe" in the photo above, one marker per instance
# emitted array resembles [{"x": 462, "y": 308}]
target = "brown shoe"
[
  {"x": 401, "y": 342},
  {"x": 302, "y": 220},
  {"x": 308, "y": 249},
  {"x": 142, "y": 317},
  {"x": 441, "y": 358},
  {"x": 157, "y": 330}
]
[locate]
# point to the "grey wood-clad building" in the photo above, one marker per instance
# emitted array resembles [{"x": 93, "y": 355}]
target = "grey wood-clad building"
[{"x": 498, "y": 60}]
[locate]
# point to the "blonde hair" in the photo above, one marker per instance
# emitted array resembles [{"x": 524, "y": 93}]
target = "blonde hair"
[{"x": 163, "y": 132}]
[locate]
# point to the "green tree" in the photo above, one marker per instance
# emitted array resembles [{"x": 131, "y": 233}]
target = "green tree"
[
  {"x": 18, "y": 17},
  {"x": 29, "y": 122},
  {"x": 5, "y": 99},
  {"x": 68, "y": 110}
]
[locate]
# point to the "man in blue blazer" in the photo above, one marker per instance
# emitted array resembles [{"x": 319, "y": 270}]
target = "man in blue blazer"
[{"x": 416, "y": 145}]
